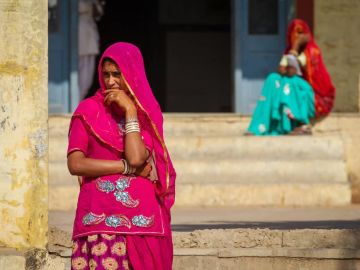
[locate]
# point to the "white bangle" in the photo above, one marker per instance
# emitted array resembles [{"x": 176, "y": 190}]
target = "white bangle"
[
  {"x": 132, "y": 124},
  {"x": 126, "y": 166},
  {"x": 131, "y": 130},
  {"x": 132, "y": 170},
  {"x": 130, "y": 120},
  {"x": 132, "y": 127}
]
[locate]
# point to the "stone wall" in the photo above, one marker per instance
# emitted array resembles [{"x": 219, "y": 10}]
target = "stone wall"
[
  {"x": 337, "y": 24},
  {"x": 23, "y": 123}
]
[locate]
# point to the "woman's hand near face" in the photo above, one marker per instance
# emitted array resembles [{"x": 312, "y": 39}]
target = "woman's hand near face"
[
  {"x": 300, "y": 41},
  {"x": 135, "y": 151},
  {"x": 120, "y": 98}
]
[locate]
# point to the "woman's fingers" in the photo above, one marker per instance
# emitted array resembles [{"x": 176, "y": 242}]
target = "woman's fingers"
[
  {"x": 108, "y": 99},
  {"x": 111, "y": 95},
  {"x": 145, "y": 170}
]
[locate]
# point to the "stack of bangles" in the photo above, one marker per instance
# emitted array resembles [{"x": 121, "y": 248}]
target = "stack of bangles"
[
  {"x": 127, "y": 168},
  {"x": 132, "y": 125}
]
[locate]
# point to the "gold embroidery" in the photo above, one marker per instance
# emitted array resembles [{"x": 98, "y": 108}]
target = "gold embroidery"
[
  {"x": 84, "y": 248},
  {"x": 74, "y": 247},
  {"x": 108, "y": 237},
  {"x": 92, "y": 238},
  {"x": 99, "y": 249},
  {"x": 92, "y": 264},
  {"x": 126, "y": 264},
  {"x": 79, "y": 263},
  {"x": 118, "y": 249},
  {"x": 110, "y": 264}
]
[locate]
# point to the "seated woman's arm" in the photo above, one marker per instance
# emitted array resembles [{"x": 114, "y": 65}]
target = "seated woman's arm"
[{"x": 282, "y": 65}]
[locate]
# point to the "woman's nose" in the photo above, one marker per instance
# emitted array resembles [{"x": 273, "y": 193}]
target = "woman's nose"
[{"x": 111, "y": 80}]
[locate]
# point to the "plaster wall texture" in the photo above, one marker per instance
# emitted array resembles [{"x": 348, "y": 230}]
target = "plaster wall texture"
[
  {"x": 23, "y": 123},
  {"x": 337, "y": 25}
]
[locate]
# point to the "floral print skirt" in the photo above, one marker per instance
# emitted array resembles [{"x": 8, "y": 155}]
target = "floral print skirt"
[{"x": 100, "y": 252}]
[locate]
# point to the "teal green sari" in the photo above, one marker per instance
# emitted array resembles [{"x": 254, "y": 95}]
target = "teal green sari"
[{"x": 285, "y": 103}]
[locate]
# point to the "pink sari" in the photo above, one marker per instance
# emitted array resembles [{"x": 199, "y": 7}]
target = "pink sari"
[{"x": 143, "y": 217}]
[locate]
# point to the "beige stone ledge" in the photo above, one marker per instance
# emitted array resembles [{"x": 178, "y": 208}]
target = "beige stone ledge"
[{"x": 270, "y": 252}]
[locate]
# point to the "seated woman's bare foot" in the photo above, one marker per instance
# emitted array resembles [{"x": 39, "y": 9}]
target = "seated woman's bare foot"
[
  {"x": 301, "y": 130},
  {"x": 248, "y": 133}
]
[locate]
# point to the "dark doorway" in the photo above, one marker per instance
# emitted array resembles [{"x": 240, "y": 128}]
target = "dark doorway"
[{"x": 185, "y": 45}]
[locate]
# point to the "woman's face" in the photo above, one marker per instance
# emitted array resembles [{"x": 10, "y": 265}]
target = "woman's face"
[
  {"x": 297, "y": 32},
  {"x": 112, "y": 76}
]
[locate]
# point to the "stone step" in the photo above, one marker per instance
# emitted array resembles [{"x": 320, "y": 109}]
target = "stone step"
[
  {"x": 174, "y": 126},
  {"x": 205, "y": 125},
  {"x": 237, "y": 172},
  {"x": 11, "y": 259},
  {"x": 200, "y": 124},
  {"x": 243, "y": 147},
  {"x": 216, "y": 165},
  {"x": 244, "y": 238},
  {"x": 317, "y": 194},
  {"x": 231, "y": 124},
  {"x": 248, "y": 238},
  {"x": 201, "y": 136},
  {"x": 265, "y": 194},
  {"x": 58, "y": 258},
  {"x": 260, "y": 148},
  {"x": 259, "y": 172},
  {"x": 250, "y": 248}
]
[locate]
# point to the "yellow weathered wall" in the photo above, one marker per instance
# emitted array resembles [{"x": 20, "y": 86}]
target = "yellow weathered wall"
[
  {"x": 23, "y": 123},
  {"x": 336, "y": 26}
]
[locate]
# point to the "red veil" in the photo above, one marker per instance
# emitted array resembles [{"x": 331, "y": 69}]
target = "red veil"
[{"x": 315, "y": 71}]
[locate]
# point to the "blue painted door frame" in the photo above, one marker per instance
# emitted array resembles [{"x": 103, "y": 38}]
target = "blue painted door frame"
[
  {"x": 63, "y": 81},
  {"x": 255, "y": 54}
]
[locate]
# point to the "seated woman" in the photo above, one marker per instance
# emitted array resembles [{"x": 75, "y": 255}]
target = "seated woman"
[{"x": 288, "y": 101}]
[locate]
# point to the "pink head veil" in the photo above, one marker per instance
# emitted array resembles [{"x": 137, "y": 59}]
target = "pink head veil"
[{"x": 129, "y": 59}]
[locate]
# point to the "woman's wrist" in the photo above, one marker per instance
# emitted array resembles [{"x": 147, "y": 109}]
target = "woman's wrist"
[
  {"x": 131, "y": 113},
  {"x": 127, "y": 168}
]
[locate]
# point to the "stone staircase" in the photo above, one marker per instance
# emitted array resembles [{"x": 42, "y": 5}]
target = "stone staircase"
[{"x": 217, "y": 165}]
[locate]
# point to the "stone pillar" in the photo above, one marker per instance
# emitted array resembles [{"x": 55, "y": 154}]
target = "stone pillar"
[{"x": 23, "y": 123}]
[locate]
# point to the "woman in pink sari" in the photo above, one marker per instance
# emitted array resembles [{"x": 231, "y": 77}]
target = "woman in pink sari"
[{"x": 116, "y": 145}]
